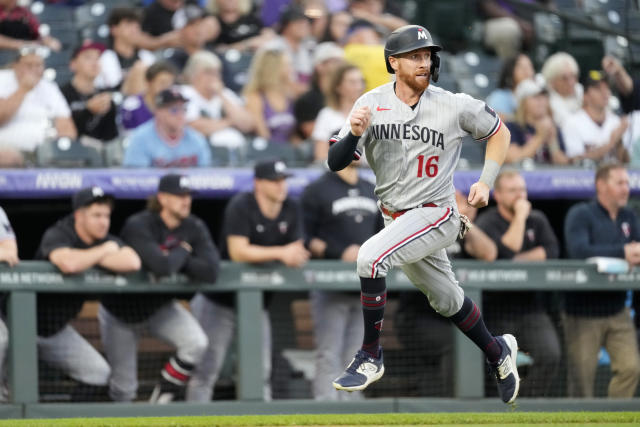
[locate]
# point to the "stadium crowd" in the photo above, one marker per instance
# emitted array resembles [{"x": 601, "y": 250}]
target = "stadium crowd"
[{"x": 264, "y": 85}]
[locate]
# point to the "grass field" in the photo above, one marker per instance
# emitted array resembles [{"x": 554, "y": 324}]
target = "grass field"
[{"x": 591, "y": 419}]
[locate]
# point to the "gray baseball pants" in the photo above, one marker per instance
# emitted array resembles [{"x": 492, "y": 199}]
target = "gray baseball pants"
[
  {"x": 338, "y": 331},
  {"x": 171, "y": 323},
  {"x": 416, "y": 242},
  {"x": 219, "y": 323},
  {"x": 69, "y": 351}
]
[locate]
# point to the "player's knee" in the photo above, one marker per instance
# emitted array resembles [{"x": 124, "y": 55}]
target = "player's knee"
[
  {"x": 99, "y": 374},
  {"x": 447, "y": 305},
  {"x": 367, "y": 266}
]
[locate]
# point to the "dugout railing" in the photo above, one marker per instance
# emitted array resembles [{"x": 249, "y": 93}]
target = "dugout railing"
[{"x": 23, "y": 282}]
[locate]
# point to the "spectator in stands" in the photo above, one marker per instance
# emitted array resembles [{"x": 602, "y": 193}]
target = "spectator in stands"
[
  {"x": 295, "y": 39},
  {"x": 8, "y": 245},
  {"x": 381, "y": 13},
  {"x": 29, "y": 103},
  {"x": 138, "y": 109},
  {"x": 167, "y": 141},
  {"x": 259, "y": 227},
  {"x": 122, "y": 66},
  {"x": 629, "y": 94},
  {"x": 561, "y": 72},
  {"x": 594, "y": 132},
  {"x": 74, "y": 244},
  {"x": 503, "y": 99},
  {"x": 337, "y": 25},
  {"x": 534, "y": 134},
  {"x": 628, "y": 88},
  {"x": 169, "y": 240},
  {"x": 214, "y": 110},
  {"x": 363, "y": 47},
  {"x": 326, "y": 57},
  {"x": 8, "y": 255},
  {"x": 340, "y": 213},
  {"x": 93, "y": 111},
  {"x": 193, "y": 36},
  {"x": 433, "y": 348},
  {"x": 240, "y": 28},
  {"x": 167, "y": 17},
  {"x": 604, "y": 227},
  {"x": 269, "y": 95},
  {"x": 346, "y": 85},
  {"x": 522, "y": 234},
  {"x": 20, "y": 28},
  {"x": 508, "y": 29}
]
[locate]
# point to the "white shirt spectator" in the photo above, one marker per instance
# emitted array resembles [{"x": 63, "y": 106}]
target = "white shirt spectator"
[
  {"x": 582, "y": 134},
  {"x": 28, "y": 126},
  {"x": 198, "y": 107},
  {"x": 328, "y": 123},
  {"x": 111, "y": 73},
  {"x": 563, "y": 107}
]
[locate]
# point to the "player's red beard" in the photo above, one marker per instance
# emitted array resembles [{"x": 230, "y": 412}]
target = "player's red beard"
[{"x": 415, "y": 82}]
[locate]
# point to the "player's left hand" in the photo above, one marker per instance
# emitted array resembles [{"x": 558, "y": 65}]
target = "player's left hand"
[{"x": 478, "y": 195}]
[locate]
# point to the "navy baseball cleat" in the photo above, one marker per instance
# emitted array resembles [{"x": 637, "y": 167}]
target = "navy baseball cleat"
[
  {"x": 505, "y": 370},
  {"x": 362, "y": 371}
]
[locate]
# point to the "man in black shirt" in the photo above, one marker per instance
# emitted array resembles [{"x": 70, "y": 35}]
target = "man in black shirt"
[
  {"x": 340, "y": 213},
  {"x": 522, "y": 234},
  {"x": 604, "y": 227},
  {"x": 74, "y": 244},
  {"x": 169, "y": 240},
  {"x": 93, "y": 111},
  {"x": 259, "y": 227}
]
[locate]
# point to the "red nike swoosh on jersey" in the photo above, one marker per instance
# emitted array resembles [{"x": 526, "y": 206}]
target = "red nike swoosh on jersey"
[{"x": 382, "y": 109}]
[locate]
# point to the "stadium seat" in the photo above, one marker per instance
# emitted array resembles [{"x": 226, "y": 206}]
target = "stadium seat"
[
  {"x": 447, "y": 20},
  {"x": 50, "y": 14},
  {"x": 235, "y": 69},
  {"x": 260, "y": 149},
  {"x": 64, "y": 153}
]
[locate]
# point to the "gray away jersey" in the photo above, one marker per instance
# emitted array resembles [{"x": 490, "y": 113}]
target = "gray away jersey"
[{"x": 414, "y": 152}]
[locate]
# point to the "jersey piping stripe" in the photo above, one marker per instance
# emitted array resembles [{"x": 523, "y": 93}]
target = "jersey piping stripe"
[
  {"x": 406, "y": 241},
  {"x": 496, "y": 127}
]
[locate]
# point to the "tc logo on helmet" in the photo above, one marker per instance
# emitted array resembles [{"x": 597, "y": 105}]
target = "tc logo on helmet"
[{"x": 422, "y": 34}]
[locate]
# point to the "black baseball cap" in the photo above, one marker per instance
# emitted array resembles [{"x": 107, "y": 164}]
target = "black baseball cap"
[
  {"x": 272, "y": 170},
  {"x": 88, "y": 196},
  {"x": 168, "y": 97},
  {"x": 592, "y": 78},
  {"x": 290, "y": 14},
  {"x": 175, "y": 184}
]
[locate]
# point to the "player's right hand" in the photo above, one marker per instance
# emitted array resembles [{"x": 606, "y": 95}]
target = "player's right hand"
[
  {"x": 478, "y": 195},
  {"x": 359, "y": 120}
]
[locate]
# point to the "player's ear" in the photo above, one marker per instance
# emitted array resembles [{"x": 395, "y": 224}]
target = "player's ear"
[{"x": 393, "y": 61}]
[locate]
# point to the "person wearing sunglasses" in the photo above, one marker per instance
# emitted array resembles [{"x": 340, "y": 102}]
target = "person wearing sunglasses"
[{"x": 167, "y": 141}]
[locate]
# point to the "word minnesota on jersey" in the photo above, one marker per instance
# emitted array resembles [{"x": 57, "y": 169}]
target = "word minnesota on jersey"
[{"x": 408, "y": 132}]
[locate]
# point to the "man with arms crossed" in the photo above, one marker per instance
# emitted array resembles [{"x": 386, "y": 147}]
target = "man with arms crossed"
[{"x": 76, "y": 243}]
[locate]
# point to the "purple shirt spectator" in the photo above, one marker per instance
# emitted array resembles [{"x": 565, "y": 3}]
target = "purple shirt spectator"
[{"x": 134, "y": 112}]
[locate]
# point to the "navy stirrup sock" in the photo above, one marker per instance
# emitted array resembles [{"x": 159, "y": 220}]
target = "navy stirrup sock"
[
  {"x": 469, "y": 320},
  {"x": 373, "y": 297}
]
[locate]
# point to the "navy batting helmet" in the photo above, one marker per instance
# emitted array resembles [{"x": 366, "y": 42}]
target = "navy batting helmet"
[{"x": 408, "y": 38}]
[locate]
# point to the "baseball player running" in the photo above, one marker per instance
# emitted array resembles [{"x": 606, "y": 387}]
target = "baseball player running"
[{"x": 411, "y": 133}]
